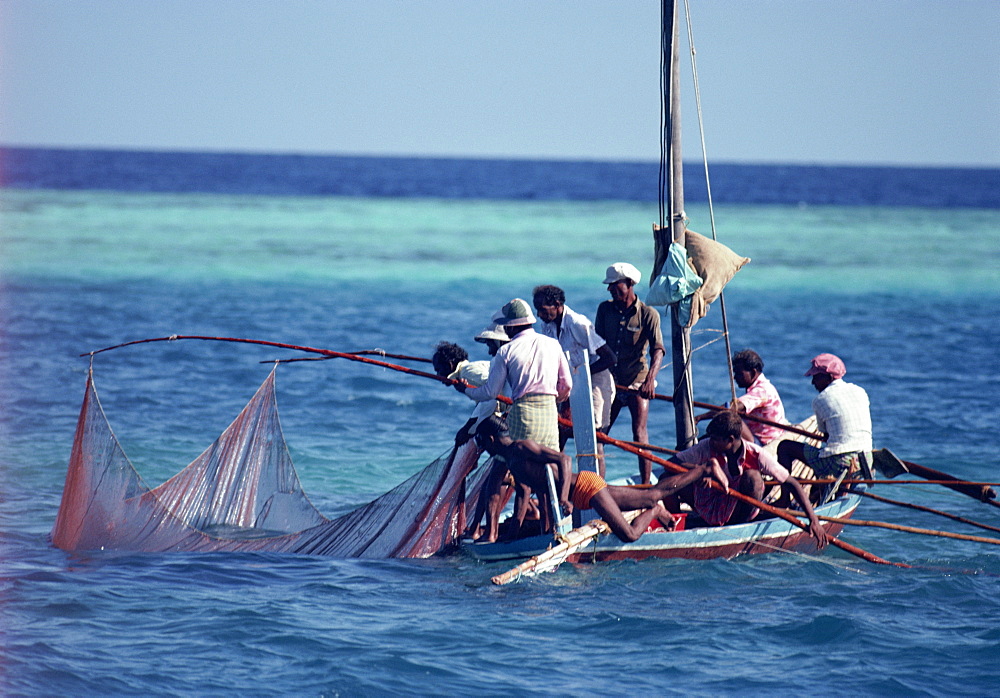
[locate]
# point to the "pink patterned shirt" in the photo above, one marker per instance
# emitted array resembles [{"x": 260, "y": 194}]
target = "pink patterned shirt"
[{"x": 762, "y": 400}]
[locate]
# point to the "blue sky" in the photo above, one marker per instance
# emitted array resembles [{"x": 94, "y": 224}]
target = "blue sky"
[{"x": 909, "y": 82}]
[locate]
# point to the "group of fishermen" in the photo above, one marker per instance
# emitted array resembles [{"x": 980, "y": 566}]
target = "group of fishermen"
[{"x": 531, "y": 369}]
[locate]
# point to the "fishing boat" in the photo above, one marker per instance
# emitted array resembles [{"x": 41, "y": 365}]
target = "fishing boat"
[
  {"x": 697, "y": 543},
  {"x": 242, "y": 493},
  {"x": 715, "y": 266}
]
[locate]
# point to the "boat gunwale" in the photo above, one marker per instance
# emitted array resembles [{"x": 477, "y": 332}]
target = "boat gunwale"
[{"x": 706, "y": 539}]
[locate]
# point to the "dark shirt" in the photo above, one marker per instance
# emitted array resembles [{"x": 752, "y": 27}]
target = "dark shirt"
[{"x": 629, "y": 334}]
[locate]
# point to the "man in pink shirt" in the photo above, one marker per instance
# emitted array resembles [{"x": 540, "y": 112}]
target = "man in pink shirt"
[{"x": 760, "y": 400}]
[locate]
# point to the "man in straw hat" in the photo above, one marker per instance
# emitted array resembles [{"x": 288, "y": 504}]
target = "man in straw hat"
[
  {"x": 536, "y": 373},
  {"x": 631, "y": 328},
  {"x": 493, "y": 337},
  {"x": 842, "y": 413}
]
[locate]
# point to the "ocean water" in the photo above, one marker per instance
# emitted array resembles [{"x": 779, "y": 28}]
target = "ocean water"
[{"x": 900, "y": 279}]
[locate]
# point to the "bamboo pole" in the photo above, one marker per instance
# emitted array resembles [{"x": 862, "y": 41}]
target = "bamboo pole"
[
  {"x": 937, "y": 512},
  {"x": 910, "y": 529},
  {"x": 556, "y": 555},
  {"x": 780, "y": 513}
]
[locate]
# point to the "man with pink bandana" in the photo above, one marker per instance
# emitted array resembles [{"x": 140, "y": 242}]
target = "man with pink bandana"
[{"x": 843, "y": 413}]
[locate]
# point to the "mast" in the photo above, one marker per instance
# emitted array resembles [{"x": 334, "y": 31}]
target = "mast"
[{"x": 673, "y": 226}]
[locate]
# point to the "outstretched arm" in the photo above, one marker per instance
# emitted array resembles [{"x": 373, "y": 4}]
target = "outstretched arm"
[
  {"x": 816, "y": 529},
  {"x": 667, "y": 486}
]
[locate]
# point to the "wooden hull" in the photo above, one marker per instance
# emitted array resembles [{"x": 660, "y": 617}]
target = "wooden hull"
[{"x": 706, "y": 543}]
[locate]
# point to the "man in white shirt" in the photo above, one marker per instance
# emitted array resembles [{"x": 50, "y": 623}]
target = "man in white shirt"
[
  {"x": 536, "y": 372},
  {"x": 842, "y": 413},
  {"x": 537, "y": 376},
  {"x": 576, "y": 333}
]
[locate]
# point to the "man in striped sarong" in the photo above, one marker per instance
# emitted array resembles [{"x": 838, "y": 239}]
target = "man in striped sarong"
[
  {"x": 535, "y": 370},
  {"x": 537, "y": 376}
]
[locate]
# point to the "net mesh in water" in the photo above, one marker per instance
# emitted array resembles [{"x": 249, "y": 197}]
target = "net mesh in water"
[{"x": 243, "y": 494}]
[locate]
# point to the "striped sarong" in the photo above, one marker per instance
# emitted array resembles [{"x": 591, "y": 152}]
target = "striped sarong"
[{"x": 535, "y": 417}]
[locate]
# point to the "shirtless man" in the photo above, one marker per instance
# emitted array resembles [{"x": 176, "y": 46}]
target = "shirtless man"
[{"x": 528, "y": 460}]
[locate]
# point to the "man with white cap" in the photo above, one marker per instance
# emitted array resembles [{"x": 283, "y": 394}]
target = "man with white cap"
[
  {"x": 631, "y": 328},
  {"x": 842, "y": 413},
  {"x": 535, "y": 370}
]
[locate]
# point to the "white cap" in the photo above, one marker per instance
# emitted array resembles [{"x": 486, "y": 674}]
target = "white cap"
[{"x": 622, "y": 270}]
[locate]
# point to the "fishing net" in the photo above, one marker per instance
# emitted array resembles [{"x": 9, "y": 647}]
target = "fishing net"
[{"x": 243, "y": 494}]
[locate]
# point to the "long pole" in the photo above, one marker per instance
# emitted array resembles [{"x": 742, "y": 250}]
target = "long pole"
[
  {"x": 602, "y": 437},
  {"x": 780, "y": 513},
  {"x": 673, "y": 226}
]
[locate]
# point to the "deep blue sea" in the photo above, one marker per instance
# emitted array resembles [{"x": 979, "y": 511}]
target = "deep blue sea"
[{"x": 895, "y": 270}]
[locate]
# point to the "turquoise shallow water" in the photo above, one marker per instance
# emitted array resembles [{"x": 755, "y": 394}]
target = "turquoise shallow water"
[
  {"x": 905, "y": 295},
  {"x": 189, "y": 237}
]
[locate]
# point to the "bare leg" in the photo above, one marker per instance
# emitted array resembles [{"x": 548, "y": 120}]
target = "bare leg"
[
  {"x": 605, "y": 505},
  {"x": 493, "y": 489},
  {"x": 522, "y": 499},
  {"x": 639, "y": 409},
  {"x": 751, "y": 484},
  {"x": 790, "y": 451}
]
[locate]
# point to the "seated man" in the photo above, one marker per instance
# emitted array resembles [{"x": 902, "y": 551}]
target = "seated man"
[
  {"x": 528, "y": 460},
  {"x": 761, "y": 399},
  {"x": 738, "y": 464},
  {"x": 843, "y": 414}
]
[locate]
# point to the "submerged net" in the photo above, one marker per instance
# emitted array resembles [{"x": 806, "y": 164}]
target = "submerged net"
[{"x": 243, "y": 494}]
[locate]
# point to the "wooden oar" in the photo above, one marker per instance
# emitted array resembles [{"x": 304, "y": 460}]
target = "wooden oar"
[
  {"x": 984, "y": 494},
  {"x": 867, "y": 481},
  {"x": 910, "y": 529},
  {"x": 937, "y": 512},
  {"x": 556, "y": 555}
]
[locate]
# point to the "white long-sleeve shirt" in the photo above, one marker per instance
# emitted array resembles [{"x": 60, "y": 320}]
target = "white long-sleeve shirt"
[{"x": 531, "y": 364}]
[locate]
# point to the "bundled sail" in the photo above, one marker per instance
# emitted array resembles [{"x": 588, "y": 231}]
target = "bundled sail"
[{"x": 243, "y": 494}]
